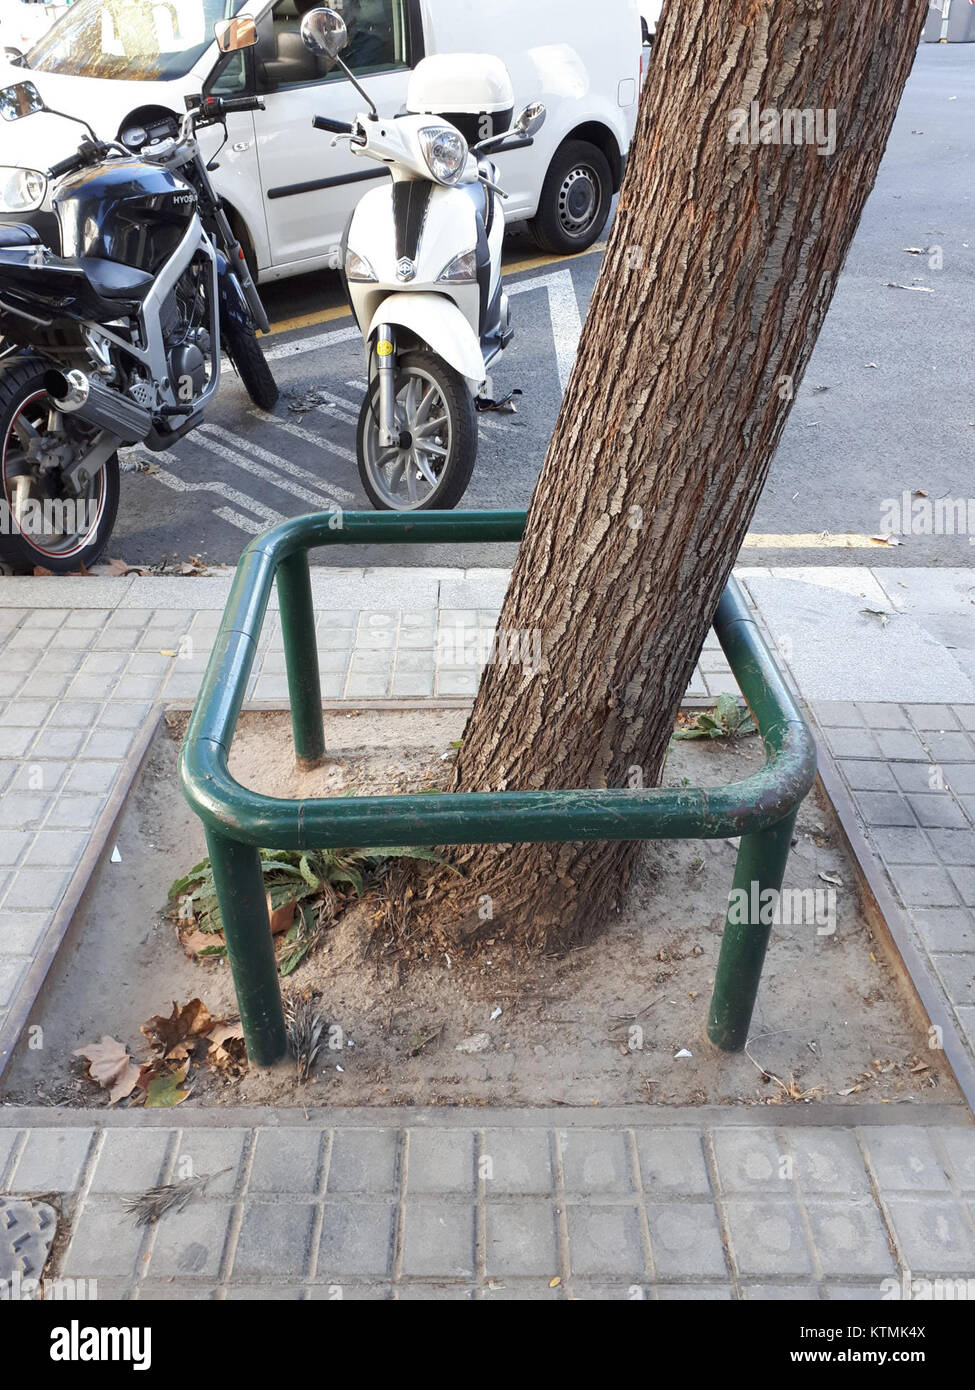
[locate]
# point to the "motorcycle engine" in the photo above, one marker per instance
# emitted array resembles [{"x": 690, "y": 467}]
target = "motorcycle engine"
[
  {"x": 187, "y": 342},
  {"x": 187, "y": 370}
]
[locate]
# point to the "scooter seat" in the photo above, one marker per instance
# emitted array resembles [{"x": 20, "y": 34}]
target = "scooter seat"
[
  {"x": 114, "y": 281},
  {"x": 17, "y": 235}
]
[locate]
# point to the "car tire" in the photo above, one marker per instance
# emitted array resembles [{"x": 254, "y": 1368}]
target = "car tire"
[{"x": 576, "y": 199}]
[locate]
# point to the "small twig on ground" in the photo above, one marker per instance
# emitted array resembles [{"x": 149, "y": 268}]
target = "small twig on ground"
[{"x": 157, "y": 1202}]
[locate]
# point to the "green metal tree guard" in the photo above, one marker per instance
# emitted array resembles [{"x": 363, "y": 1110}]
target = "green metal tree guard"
[{"x": 239, "y": 823}]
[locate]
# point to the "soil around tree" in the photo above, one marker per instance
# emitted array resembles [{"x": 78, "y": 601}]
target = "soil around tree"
[{"x": 619, "y": 1020}]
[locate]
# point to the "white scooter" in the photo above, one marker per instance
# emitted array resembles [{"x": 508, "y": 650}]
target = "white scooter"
[{"x": 423, "y": 268}]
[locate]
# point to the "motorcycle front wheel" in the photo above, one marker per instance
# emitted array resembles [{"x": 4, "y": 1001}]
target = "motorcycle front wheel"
[
  {"x": 44, "y": 524},
  {"x": 245, "y": 352},
  {"x": 430, "y": 466}
]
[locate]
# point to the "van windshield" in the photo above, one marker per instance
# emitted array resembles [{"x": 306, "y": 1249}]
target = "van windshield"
[{"x": 133, "y": 40}]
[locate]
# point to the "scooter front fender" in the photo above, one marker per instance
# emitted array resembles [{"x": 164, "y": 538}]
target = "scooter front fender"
[{"x": 436, "y": 321}]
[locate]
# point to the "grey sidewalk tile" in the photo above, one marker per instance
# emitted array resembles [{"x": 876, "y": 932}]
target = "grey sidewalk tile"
[
  {"x": 924, "y": 886},
  {"x": 75, "y": 812},
  {"x": 937, "y": 811},
  {"x": 606, "y": 1240},
  {"x": 906, "y": 844},
  {"x": 751, "y": 1160},
  {"x": 880, "y": 809},
  {"x": 957, "y": 974},
  {"x": 364, "y": 1161},
  {"x": 131, "y": 1160},
  {"x": 12, "y": 971},
  {"x": 92, "y": 778},
  {"x": 517, "y": 1162},
  {"x": 850, "y": 1238},
  {"x": 694, "y": 1293},
  {"x": 56, "y": 849},
  {"x": 921, "y": 779},
  {"x": 9, "y": 1140},
  {"x": 839, "y": 714},
  {"x": 348, "y": 1293},
  {"x": 441, "y": 1160},
  {"x": 36, "y": 888},
  {"x": 521, "y": 1291},
  {"x": 672, "y": 1160},
  {"x": 27, "y": 714},
  {"x": 936, "y": 717},
  {"x": 852, "y": 743},
  {"x": 274, "y": 1241},
  {"x": 954, "y": 846},
  {"x": 946, "y": 929},
  {"x": 13, "y": 846},
  {"x": 685, "y": 1240},
  {"x": 950, "y": 747},
  {"x": 933, "y": 1236},
  {"x": 357, "y": 1239},
  {"x": 966, "y": 716},
  {"x": 21, "y": 932},
  {"x": 166, "y": 1290},
  {"x": 192, "y": 1242},
  {"x": 964, "y": 881},
  {"x": 904, "y": 1160},
  {"x": 52, "y": 1160},
  {"x": 207, "y": 1152},
  {"x": 438, "y": 1239},
  {"x": 828, "y": 1163},
  {"x": 781, "y": 1293},
  {"x": 767, "y": 1238},
  {"x": 23, "y": 810},
  {"x": 901, "y": 745},
  {"x": 521, "y": 1239},
  {"x": 960, "y": 1147},
  {"x": 105, "y": 1242},
  {"x": 57, "y": 743},
  {"x": 867, "y": 776},
  {"x": 854, "y": 1293},
  {"x": 596, "y": 1161},
  {"x": 286, "y": 1160}
]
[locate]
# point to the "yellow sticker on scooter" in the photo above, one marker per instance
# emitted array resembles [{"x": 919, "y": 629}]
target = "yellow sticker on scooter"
[{"x": 384, "y": 349}]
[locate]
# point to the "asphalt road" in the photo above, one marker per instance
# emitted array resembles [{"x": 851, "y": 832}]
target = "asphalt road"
[{"x": 887, "y": 407}]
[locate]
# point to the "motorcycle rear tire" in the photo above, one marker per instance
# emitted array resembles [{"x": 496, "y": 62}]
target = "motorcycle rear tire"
[{"x": 21, "y": 385}]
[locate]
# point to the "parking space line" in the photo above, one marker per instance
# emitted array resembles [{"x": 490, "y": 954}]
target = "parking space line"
[
  {"x": 330, "y": 490},
  {"x": 319, "y": 440},
  {"x": 566, "y": 318},
  {"x": 320, "y": 340},
  {"x": 268, "y": 516},
  {"x": 317, "y": 499}
]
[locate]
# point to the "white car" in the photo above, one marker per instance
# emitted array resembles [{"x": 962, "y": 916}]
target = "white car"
[
  {"x": 22, "y": 22},
  {"x": 289, "y": 194}
]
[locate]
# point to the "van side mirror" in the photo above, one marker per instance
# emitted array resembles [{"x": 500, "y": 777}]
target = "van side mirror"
[
  {"x": 20, "y": 101},
  {"x": 324, "y": 31},
  {"x": 531, "y": 120},
  {"x": 232, "y": 35}
]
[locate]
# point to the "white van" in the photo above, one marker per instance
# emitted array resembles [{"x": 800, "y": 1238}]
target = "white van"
[{"x": 128, "y": 68}]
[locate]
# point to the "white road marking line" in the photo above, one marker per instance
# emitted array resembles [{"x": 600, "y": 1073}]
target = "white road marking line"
[
  {"x": 317, "y": 500},
  {"x": 318, "y": 440},
  {"x": 320, "y": 340},
  {"x": 566, "y": 319},
  {"x": 268, "y": 516},
  {"x": 330, "y": 490}
]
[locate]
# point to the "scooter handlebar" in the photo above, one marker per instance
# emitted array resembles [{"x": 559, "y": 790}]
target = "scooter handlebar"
[{"x": 334, "y": 127}]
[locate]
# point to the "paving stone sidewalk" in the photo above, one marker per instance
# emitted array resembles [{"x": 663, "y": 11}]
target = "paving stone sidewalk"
[
  {"x": 411, "y": 1206},
  {"x": 551, "y": 1207}
]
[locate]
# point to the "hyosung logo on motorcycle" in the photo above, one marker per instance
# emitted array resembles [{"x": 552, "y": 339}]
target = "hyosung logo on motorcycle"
[{"x": 406, "y": 269}]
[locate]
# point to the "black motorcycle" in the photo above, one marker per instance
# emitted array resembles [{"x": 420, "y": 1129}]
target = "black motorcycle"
[{"x": 117, "y": 341}]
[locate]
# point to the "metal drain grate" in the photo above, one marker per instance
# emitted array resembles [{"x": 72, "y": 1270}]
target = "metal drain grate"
[{"x": 27, "y": 1231}]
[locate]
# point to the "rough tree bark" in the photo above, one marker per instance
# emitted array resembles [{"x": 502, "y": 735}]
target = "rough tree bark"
[{"x": 718, "y": 276}]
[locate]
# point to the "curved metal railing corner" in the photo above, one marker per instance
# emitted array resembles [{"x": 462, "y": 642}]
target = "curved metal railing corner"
[{"x": 762, "y": 810}]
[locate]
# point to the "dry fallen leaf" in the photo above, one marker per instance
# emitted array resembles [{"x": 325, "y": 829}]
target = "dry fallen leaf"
[
  {"x": 194, "y": 943},
  {"x": 283, "y": 919},
  {"x": 111, "y": 1067},
  {"x": 184, "y": 1028}
]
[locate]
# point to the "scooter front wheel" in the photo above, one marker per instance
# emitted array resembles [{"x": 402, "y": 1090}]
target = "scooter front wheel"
[{"x": 430, "y": 466}]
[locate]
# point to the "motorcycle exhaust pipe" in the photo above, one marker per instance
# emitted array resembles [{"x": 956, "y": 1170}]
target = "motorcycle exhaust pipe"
[{"x": 73, "y": 393}]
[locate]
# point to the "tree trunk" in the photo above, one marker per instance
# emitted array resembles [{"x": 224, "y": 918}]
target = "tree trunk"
[{"x": 719, "y": 273}]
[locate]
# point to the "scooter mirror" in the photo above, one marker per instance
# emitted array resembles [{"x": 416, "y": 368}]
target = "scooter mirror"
[
  {"x": 324, "y": 31},
  {"x": 20, "y": 101},
  {"x": 234, "y": 34},
  {"x": 531, "y": 119}
]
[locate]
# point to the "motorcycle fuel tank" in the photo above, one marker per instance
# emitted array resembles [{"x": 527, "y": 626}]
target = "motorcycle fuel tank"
[{"x": 124, "y": 210}]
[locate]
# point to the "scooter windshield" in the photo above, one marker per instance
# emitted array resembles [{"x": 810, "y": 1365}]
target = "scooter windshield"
[{"x": 130, "y": 40}]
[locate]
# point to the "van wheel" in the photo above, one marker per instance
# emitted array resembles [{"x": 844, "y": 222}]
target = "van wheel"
[
  {"x": 431, "y": 465},
  {"x": 576, "y": 198}
]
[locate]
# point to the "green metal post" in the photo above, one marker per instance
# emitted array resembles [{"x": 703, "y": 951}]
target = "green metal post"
[
  {"x": 301, "y": 656},
  {"x": 243, "y": 905},
  {"x": 762, "y": 860}
]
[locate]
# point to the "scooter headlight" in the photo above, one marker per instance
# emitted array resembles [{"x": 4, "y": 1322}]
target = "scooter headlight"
[
  {"x": 445, "y": 151},
  {"x": 462, "y": 270},
  {"x": 357, "y": 267},
  {"x": 21, "y": 190}
]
